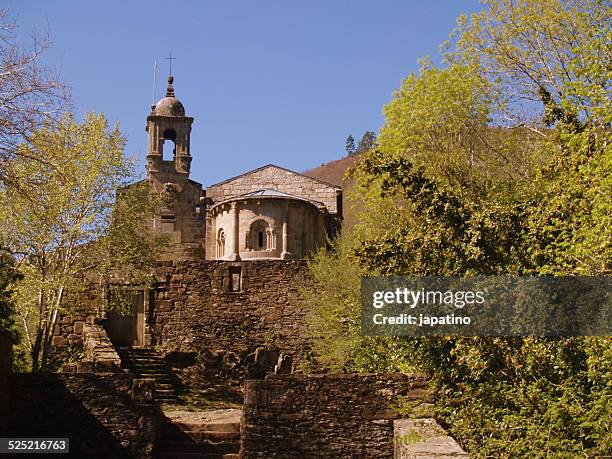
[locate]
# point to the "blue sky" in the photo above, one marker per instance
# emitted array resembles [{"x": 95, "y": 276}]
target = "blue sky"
[{"x": 280, "y": 82}]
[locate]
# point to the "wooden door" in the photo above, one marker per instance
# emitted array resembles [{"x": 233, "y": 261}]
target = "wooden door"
[{"x": 123, "y": 324}]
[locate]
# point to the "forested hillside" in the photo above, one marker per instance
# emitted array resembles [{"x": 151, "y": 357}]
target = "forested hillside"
[{"x": 336, "y": 172}]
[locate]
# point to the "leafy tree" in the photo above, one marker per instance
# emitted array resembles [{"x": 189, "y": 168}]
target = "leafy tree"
[
  {"x": 8, "y": 277},
  {"x": 350, "y": 145},
  {"x": 32, "y": 95},
  {"x": 532, "y": 47},
  {"x": 467, "y": 179},
  {"x": 367, "y": 142},
  {"x": 70, "y": 229}
]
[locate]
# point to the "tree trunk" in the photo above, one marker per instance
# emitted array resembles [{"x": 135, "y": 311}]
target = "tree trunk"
[
  {"x": 39, "y": 333},
  {"x": 50, "y": 326}
]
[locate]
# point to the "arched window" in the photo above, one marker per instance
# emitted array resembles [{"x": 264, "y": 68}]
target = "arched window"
[
  {"x": 169, "y": 145},
  {"x": 260, "y": 239},
  {"x": 260, "y": 236},
  {"x": 220, "y": 244}
]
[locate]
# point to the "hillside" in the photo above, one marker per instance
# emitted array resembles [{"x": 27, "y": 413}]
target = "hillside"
[{"x": 333, "y": 172}]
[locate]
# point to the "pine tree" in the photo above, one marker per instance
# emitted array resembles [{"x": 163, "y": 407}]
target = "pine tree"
[
  {"x": 367, "y": 142},
  {"x": 350, "y": 145}
]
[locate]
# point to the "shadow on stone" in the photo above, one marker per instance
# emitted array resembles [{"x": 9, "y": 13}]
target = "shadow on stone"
[{"x": 97, "y": 414}]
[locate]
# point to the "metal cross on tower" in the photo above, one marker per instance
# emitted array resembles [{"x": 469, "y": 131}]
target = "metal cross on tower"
[{"x": 170, "y": 59}]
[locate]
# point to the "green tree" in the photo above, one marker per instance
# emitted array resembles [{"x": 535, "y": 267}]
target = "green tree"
[
  {"x": 350, "y": 145},
  {"x": 528, "y": 47},
  {"x": 367, "y": 142},
  {"x": 31, "y": 94},
  {"x": 468, "y": 180},
  {"x": 69, "y": 230},
  {"x": 8, "y": 277}
]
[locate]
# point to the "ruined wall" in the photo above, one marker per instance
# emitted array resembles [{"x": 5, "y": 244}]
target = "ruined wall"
[
  {"x": 220, "y": 310},
  {"x": 325, "y": 415},
  {"x": 83, "y": 306},
  {"x": 6, "y": 363},
  {"x": 230, "y": 306},
  {"x": 101, "y": 415}
]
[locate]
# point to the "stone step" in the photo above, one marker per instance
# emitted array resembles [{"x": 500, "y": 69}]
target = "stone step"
[
  {"x": 153, "y": 374},
  {"x": 145, "y": 360},
  {"x": 147, "y": 363},
  {"x": 229, "y": 427},
  {"x": 142, "y": 362},
  {"x": 197, "y": 456},
  {"x": 148, "y": 371},
  {"x": 162, "y": 386},
  {"x": 193, "y": 447},
  {"x": 159, "y": 369},
  {"x": 202, "y": 436},
  {"x": 167, "y": 392}
]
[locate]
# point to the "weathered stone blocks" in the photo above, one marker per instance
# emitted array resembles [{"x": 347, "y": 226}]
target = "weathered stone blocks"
[{"x": 324, "y": 415}]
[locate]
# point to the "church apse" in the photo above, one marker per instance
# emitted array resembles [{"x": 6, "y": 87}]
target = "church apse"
[
  {"x": 267, "y": 224},
  {"x": 268, "y": 213}
]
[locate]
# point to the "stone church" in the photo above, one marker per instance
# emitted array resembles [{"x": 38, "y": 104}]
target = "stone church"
[
  {"x": 213, "y": 330},
  {"x": 267, "y": 213}
]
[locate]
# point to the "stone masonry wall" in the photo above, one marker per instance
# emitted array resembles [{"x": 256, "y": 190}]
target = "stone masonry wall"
[
  {"x": 231, "y": 306},
  {"x": 103, "y": 416},
  {"x": 201, "y": 306},
  {"x": 279, "y": 179},
  {"x": 84, "y": 307},
  {"x": 325, "y": 415}
]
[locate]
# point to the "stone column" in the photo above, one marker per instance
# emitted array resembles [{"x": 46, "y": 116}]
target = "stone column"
[
  {"x": 236, "y": 233},
  {"x": 285, "y": 241},
  {"x": 285, "y": 253}
]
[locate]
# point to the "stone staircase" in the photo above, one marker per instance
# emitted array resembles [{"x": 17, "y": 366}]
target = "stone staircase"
[
  {"x": 147, "y": 363},
  {"x": 213, "y": 434}
]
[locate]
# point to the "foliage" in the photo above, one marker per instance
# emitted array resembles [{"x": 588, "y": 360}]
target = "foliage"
[
  {"x": 440, "y": 121},
  {"x": 367, "y": 142},
  {"x": 68, "y": 231},
  {"x": 350, "y": 145},
  {"x": 8, "y": 276},
  {"x": 31, "y": 95},
  {"x": 497, "y": 163},
  {"x": 531, "y": 47}
]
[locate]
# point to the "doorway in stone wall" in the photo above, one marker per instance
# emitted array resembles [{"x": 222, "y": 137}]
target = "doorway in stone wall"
[{"x": 125, "y": 320}]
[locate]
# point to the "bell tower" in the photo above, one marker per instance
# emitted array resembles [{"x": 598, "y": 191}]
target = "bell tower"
[
  {"x": 168, "y": 167},
  {"x": 167, "y": 123}
]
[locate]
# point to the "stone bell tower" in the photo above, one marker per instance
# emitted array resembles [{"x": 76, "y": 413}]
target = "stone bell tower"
[
  {"x": 168, "y": 167},
  {"x": 167, "y": 122}
]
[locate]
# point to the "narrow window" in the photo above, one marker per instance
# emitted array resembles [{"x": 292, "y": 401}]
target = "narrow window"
[
  {"x": 235, "y": 273},
  {"x": 220, "y": 244},
  {"x": 260, "y": 240}
]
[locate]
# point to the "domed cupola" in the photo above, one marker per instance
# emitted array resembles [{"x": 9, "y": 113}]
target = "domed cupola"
[
  {"x": 169, "y": 105},
  {"x": 167, "y": 123}
]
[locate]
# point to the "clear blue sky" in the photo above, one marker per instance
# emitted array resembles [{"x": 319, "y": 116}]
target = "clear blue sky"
[{"x": 280, "y": 82}]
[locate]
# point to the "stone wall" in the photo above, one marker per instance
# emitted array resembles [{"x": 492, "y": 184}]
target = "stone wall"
[
  {"x": 223, "y": 311},
  {"x": 280, "y": 179},
  {"x": 326, "y": 415},
  {"x": 231, "y": 306},
  {"x": 424, "y": 439},
  {"x": 6, "y": 363},
  {"x": 84, "y": 307},
  {"x": 99, "y": 354},
  {"x": 291, "y": 225},
  {"x": 286, "y": 181},
  {"x": 103, "y": 416}
]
